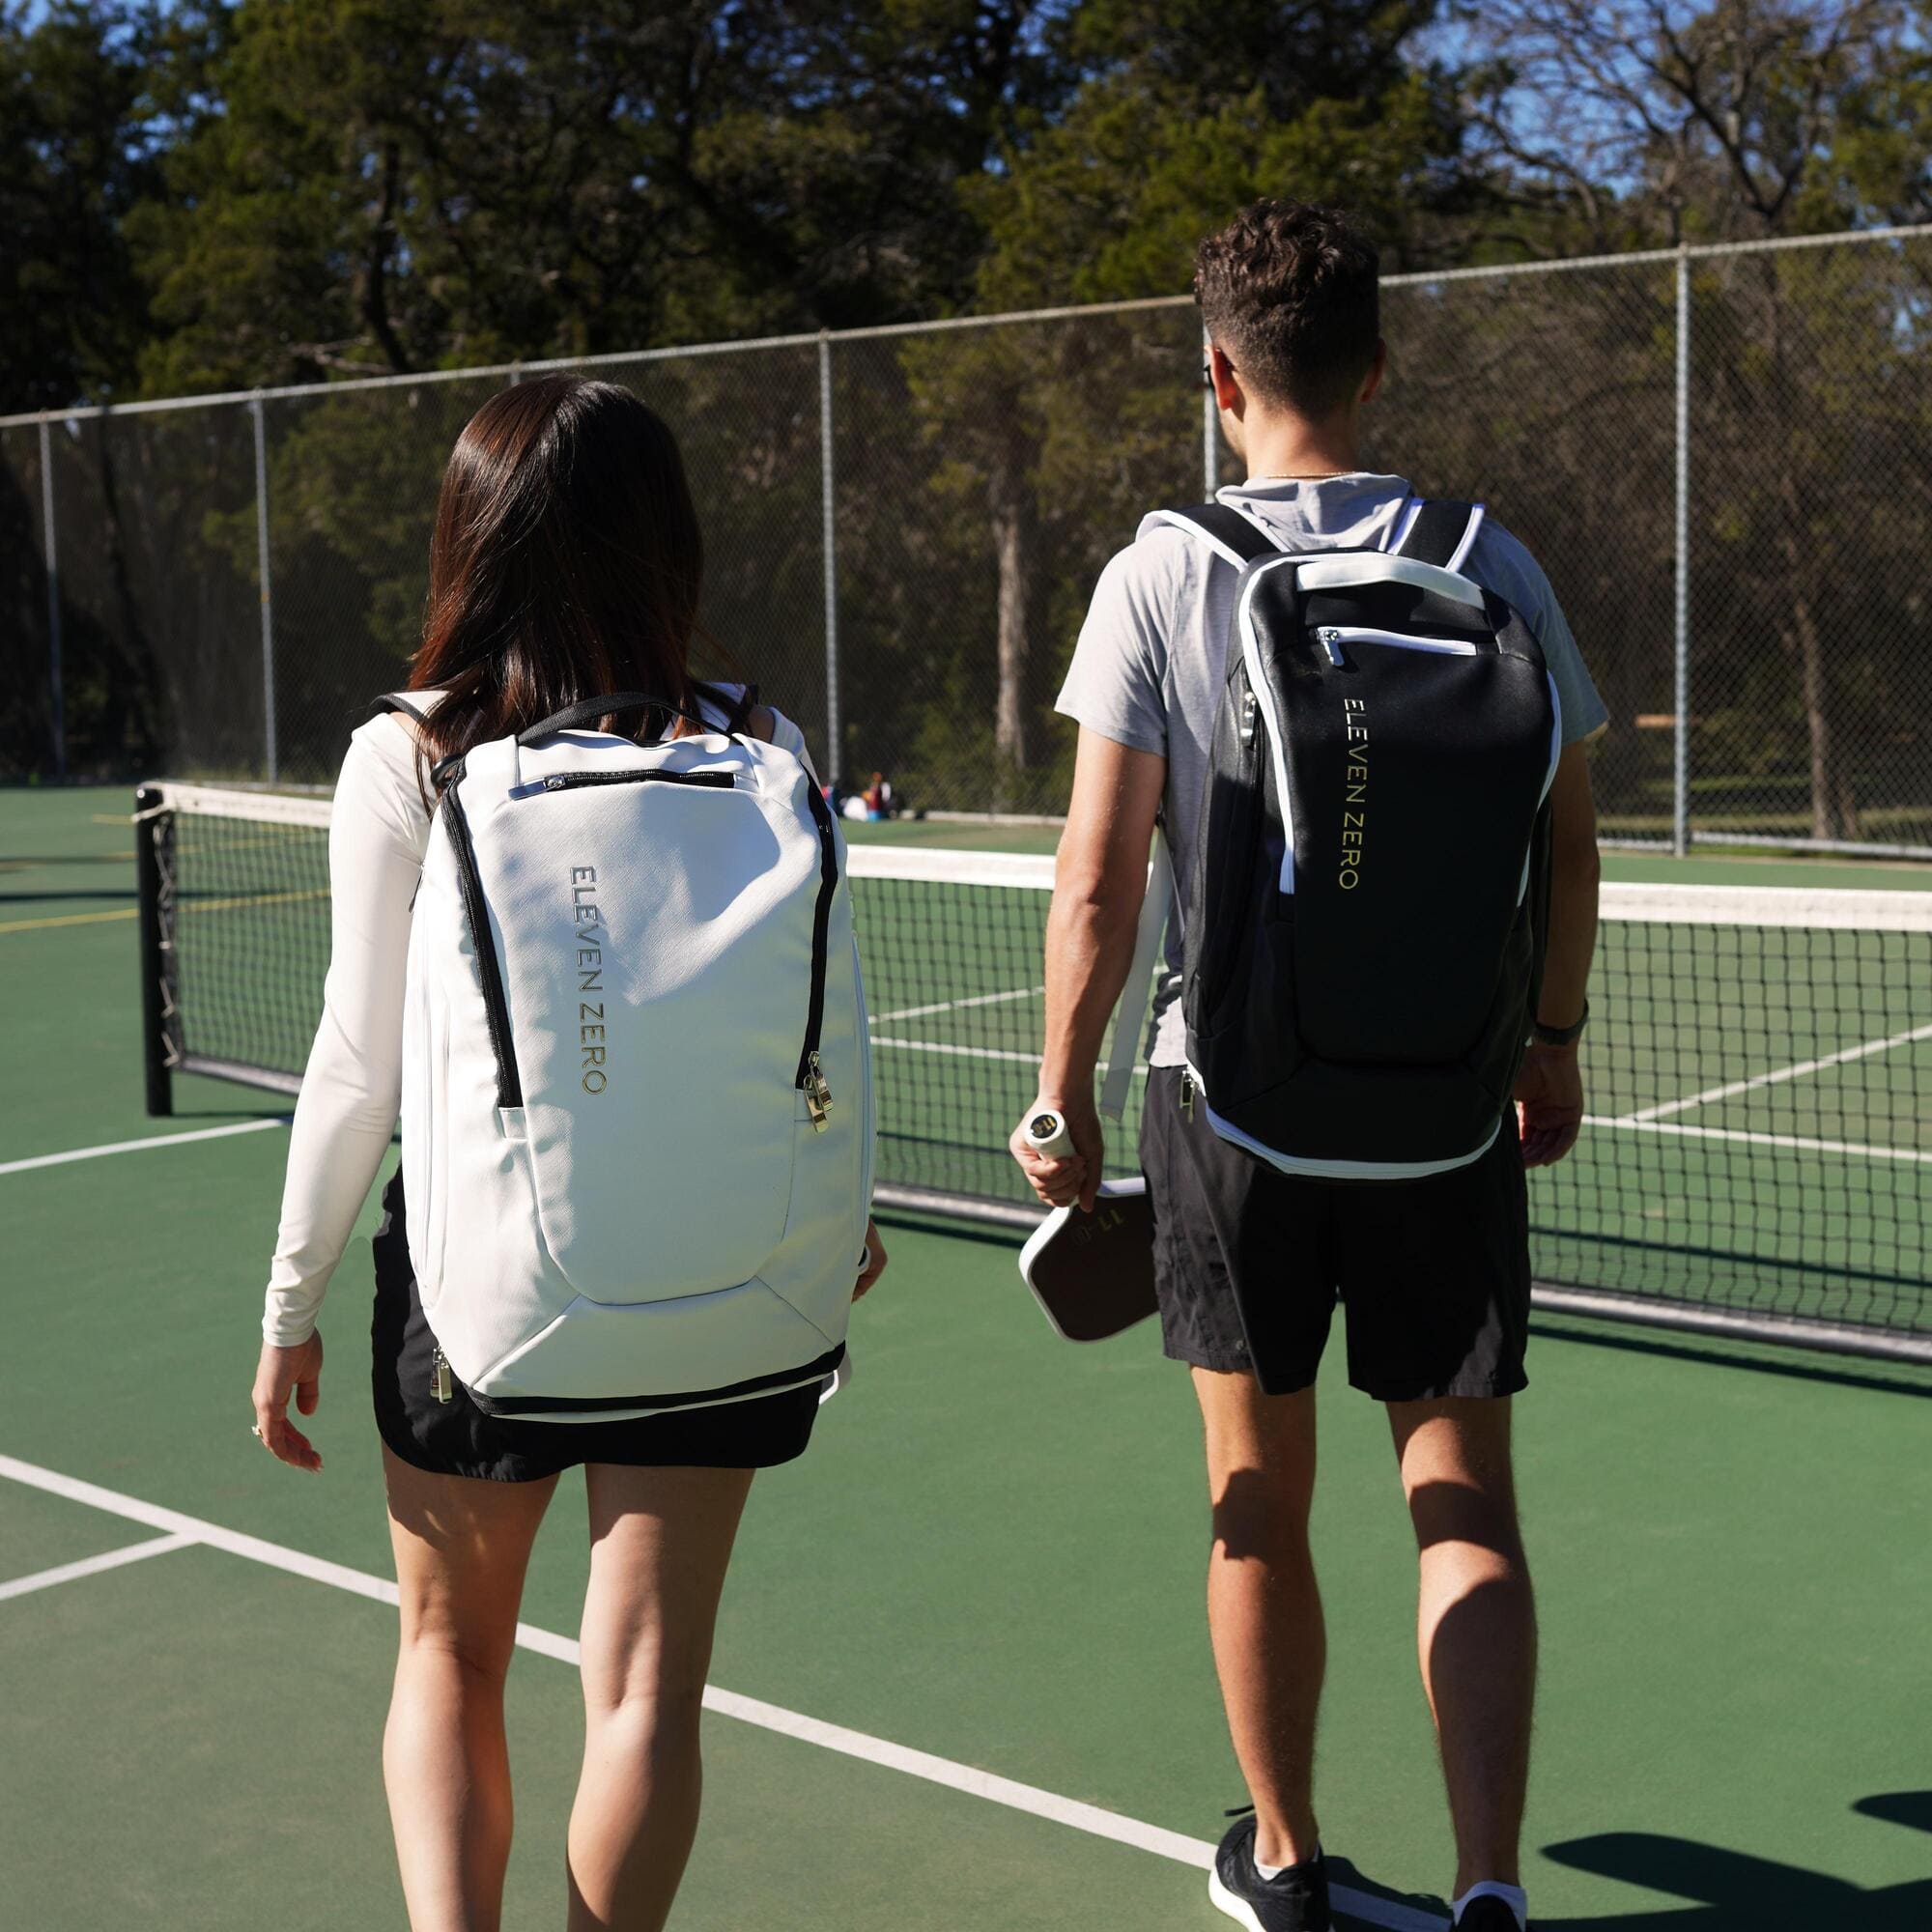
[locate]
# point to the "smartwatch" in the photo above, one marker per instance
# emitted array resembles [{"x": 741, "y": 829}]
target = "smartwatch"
[{"x": 1550, "y": 1036}]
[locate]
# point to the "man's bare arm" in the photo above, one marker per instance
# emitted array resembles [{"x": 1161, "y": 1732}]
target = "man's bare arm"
[
  {"x": 1098, "y": 884},
  {"x": 1550, "y": 1091}
]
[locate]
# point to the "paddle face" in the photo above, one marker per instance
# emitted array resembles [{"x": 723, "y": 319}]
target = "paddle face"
[{"x": 1094, "y": 1273}]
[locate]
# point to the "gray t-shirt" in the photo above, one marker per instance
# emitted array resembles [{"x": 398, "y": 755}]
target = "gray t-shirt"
[{"x": 1151, "y": 659}]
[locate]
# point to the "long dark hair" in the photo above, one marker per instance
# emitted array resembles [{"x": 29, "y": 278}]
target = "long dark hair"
[{"x": 566, "y": 563}]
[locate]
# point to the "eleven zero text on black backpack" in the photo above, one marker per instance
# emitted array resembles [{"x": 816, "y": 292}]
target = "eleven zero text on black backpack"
[{"x": 1365, "y": 925}]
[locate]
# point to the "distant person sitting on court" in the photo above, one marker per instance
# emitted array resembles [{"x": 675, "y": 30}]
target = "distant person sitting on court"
[{"x": 1252, "y": 1250}]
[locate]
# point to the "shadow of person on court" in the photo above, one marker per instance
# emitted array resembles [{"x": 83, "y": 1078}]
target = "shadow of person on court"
[
  {"x": 1735, "y": 1891},
  {"x": 1727, "y": 1891}
]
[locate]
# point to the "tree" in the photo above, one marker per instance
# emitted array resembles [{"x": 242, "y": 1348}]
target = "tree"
[
  {"x": 1638, "y": 121},
  {"x": 401, "y": 184},
  {"x": 1186, "y": 115},
  {"x": 1642, "y": 121},
  {"x": 80, "y": 145}
]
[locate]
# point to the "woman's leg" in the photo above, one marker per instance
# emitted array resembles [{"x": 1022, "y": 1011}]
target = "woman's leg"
[
  {"x": 462, "y": 1546},
  {"x": 660, "y": 1540}
]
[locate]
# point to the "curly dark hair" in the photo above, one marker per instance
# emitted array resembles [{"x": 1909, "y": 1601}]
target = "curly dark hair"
[{"x": 1290, "y": 294}]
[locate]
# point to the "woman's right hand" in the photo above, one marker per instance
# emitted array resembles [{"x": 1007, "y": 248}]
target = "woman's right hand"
[
  {"x": 876, "y": 1259},
  {"x": 280, "y": 1373}
]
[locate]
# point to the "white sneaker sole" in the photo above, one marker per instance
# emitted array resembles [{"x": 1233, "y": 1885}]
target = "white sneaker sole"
[{"x": 1236, "y": 1908}]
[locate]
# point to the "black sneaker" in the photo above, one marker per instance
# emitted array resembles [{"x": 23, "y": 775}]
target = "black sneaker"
[
  {"x": 1488, "y": 1913},
  {"x": 1295, "y": 1900}
]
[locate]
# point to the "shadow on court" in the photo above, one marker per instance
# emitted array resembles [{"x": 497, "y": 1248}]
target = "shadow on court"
[
  {"x": 1732, "y": 1891},
  {"x": 89, "y": 892},
  {"x": 1723, "y": 1890},
  {"x": 15, "y": 861},
  {"x": 1903, "y": 1378},
  {"x": 1343, "y": 1874}
]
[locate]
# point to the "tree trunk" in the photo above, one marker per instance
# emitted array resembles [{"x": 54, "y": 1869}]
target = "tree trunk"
[
  {"x": 1012, "y": 507},
  {"x": 1817, "y": 723},
  {"x": 1834, "y": 813},
  {"x": 1834, "y": 808}
]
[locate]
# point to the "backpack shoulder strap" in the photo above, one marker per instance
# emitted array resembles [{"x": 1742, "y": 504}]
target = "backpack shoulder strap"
[
  {"x": 397, "y": 700},
  {"x": 1236, "y": 538},
  {"x": 734, "y": 703},
  {"x": 1440, "y": 532}
]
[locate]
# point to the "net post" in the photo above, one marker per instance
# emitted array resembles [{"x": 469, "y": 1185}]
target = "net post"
[
  {"x": 150, "y": 874},
  {"x": 1679, "y": 775},
  {"x": 268, "y": 746},
  {"x": 1210, "y": 435},
  {"x": 828, "y": 538},
  {"x": 50, "y": 548}
]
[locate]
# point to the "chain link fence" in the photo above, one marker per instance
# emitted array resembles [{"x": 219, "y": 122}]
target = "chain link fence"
[{"x": 1723, "y": 457}]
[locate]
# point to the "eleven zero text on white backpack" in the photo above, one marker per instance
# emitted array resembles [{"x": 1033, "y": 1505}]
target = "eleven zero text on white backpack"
[{"x": 636, "y": 1109}]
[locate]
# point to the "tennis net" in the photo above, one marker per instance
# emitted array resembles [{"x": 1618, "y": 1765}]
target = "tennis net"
[{"x": 1756, "y": 1155}]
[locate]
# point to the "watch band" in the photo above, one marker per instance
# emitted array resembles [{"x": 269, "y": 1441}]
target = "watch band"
[{"x": 1550, "y": 1036}]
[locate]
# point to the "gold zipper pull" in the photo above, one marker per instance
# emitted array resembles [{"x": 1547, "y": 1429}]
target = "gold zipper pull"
[
  {"x": 443, "y": 1381},
  {"x": 817, "y": 1095}
]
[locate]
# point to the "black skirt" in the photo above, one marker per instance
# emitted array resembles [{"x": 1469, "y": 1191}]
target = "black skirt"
[{"x": 455, "y": 1438}]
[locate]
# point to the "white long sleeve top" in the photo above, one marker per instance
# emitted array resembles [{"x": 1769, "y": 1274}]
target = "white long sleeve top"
[{"x": 351, "y": 1089}]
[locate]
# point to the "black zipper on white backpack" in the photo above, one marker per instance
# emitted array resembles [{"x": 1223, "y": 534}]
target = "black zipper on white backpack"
[
  {"x": 496, "y": 1008},
  {"x": 571, "y": 780},
  {"x": 811, "y": 1081}
]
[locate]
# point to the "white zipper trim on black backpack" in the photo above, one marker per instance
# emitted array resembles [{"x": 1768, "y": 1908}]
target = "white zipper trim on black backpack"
[
  {"x": 1258, "y": 685},
  {"x": 488, "y": 969},
  {"x": 1334, "y": 1170},
  {"x": 1334, "y": 634}
]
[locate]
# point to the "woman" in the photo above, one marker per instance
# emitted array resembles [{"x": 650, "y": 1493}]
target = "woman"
[{"x": 566, "y": 563}]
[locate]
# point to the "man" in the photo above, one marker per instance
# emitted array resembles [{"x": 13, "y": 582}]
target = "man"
[{"x": 1249, "y": 1262}]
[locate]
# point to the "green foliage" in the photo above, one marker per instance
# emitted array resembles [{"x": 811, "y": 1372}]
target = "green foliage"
[
  {"x": 203, "y": 195},
  {"x": 405, "y": 185},
  {"x": 78, "y": 153}
]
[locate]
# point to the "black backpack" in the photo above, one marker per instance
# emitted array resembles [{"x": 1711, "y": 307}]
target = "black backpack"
[{"x": 1364, "y": 926}]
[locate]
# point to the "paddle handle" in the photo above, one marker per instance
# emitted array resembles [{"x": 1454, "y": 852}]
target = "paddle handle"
[{"x": 1046, "y": 1134}]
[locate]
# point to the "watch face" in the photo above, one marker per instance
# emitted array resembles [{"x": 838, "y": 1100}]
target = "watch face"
[{"x": 1043, "y": 1126}]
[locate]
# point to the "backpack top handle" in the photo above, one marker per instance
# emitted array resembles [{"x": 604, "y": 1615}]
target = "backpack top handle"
[{"x": 587, "y": 711}]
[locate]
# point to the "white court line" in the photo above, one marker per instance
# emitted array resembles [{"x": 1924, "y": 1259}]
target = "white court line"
[
  {"x": 1091, "y": 1819},
  {"x": 1793, "y": 1072},
  {"x": 964, "y": 1052},
  {"x": 957, "y": 1052},
  {"x": 255, "y": 1548},
  {"x": 93, "y": 1566},
  {"x": 1798, "y": 1143},
  {"x": 957, "y": 1005},
  {"x": 135, "y": 1147}
]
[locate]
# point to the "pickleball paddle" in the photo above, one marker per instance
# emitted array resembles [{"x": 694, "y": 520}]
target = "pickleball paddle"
[{"x": 1092, "y": 1274}]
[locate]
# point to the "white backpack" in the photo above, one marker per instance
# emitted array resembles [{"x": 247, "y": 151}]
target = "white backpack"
[{"x": 637, "y": 1107}]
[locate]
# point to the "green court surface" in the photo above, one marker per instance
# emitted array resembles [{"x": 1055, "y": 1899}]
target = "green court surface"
[{"x": 963, "y": 1639}]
